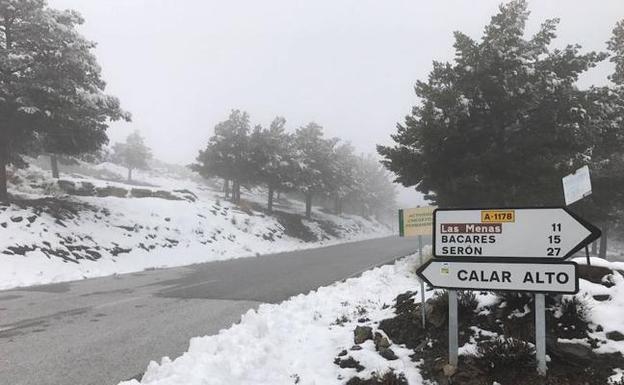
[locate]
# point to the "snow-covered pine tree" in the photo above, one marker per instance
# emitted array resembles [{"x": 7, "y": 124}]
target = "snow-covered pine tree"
[
  {"x": 227, "y": 154},
  {"x": 313, "y": 154},
  {"x": 273, "y": 158},
  {"x": 51, "y": 91},
  {"x": 616, "y": 46},
  {"x": 133, "y": 154},
  {"x": 343, "y": 175},
  {"x": 502, "y": 123}
]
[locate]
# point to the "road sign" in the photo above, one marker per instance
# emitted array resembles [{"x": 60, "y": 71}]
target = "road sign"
[
  {"x": 515, "y": 275},
  {"x": 576, "y": 186},
  {"x": 553, "y": 233},
  {"x": 416, "y": 221}
]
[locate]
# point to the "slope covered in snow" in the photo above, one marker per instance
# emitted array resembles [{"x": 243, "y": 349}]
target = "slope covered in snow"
[
  {"x": 92, "y": 223},
  {"x": 345, "y": 334}
]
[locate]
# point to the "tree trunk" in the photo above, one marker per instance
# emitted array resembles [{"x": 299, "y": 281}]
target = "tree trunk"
[
  {"x": 270, "y": 203},
  {"x": 54, "y": 166},
  {"x": 308, "y": 205},
  {"x": 279, "y": 194},
  {"x": 235, "y": 191},
  {"x": 129, "y": 174},
  {"x": 337, "y": 205},
  {"x": 594, "y": 247},
  {"x": 226, "y": 188},
  {"x": 603, "y": 242},
  {"x": 4, "y": 195}
]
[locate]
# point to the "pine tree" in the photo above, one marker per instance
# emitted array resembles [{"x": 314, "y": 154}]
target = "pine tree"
[
  {"x": 273, "y": 158},
  {"x": 51, "y": 91},
  {"x": 313, "y": 154},
  {"x": 133, "y": 154},
  {"x": 616, "y": 46},
  {"x": 227, "y": 154},
  {"x": 343, "y": 174},
  {"x": 501, "y": 124},
  {"x": 373, "y": 192}
]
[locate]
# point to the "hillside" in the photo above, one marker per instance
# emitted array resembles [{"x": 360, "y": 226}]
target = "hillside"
[{"x": 91, "y": 223}]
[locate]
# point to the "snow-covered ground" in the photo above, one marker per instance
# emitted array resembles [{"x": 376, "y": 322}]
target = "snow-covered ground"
[
  {"x": 49, "y": 236},
  {"x": 297, "y": 340}
]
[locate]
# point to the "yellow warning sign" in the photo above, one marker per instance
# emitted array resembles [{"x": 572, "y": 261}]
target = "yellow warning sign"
[
  {"x": 498, "y": 216},
  {"x": 416, "y": 221}
]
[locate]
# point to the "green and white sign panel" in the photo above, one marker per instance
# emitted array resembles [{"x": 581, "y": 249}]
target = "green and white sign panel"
[
  {"x": 536, "y": 233},
  {"x": 529, "y": 276}
]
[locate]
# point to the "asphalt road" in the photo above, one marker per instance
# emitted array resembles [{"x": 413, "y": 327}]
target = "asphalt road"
[{"x": 104, "y": 330}]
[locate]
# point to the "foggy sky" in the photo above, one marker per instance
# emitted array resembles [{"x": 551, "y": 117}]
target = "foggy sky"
[{"x": 350, "y": 65}]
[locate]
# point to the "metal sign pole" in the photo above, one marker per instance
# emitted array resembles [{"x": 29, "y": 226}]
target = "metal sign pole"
[
  {"x": 453, "y": 328},
  {"x": 422, "y": 284},
  {"x": 540, "y": 333}
]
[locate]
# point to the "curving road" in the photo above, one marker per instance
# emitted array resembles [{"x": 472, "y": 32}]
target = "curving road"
[{"x": 104, "y": 330}]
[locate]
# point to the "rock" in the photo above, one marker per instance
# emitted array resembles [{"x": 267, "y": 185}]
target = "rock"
[
  {"x": 568, "y": 351},
  {"x": 111, "y": 191},
  {"x": 362, "y": 333},
  {"x": 381, "y": 342},
  {"x": 349, "y": 362},
  {"x": 438, "y": 363},
  {"x": 31, "y": 218},
  {"x": 449, "y": 370},
  {"x": 4, "y": 224},
  {"x": 86, "y": 189},
  {"x": 141, "y": 193},
  {"x": 599, "y": 328},
  {"x": 66, "y": 185},
  {"x": 342, "y": 353},
  {"x": 615, "y": 336},
  {"x": 602, "y": 297},
  {"x": 434, "y": 316},
  {"x": 356, "y": 347},
  {"x": 16, "y": 219},
  {"x": 593, "y": 273},
  {"x": 165, "y": 195},
  {"x": 388, "y": 354}
]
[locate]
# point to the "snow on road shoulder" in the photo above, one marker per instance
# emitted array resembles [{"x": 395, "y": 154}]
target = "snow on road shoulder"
[{"x": 296, "y": 341}]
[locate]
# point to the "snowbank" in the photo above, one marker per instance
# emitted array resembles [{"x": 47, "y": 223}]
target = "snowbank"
[{"x": 297, "y": 341}]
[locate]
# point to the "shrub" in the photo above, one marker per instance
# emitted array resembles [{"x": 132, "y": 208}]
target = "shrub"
[
  {"x": 573, "y": 309},
  {"x": 515, "y": 301},
  {"x": 467, "y": 301},
  {"x": 503, "y": 353}
]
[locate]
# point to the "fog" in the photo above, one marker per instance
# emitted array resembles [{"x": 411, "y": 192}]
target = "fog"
[{"x": 180, "y": 66}]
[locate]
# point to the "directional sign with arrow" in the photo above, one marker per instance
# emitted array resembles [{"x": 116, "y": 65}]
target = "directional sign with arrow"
[
  {"x": 553, "y": 233},
  {"x": 516, "y": 275}
]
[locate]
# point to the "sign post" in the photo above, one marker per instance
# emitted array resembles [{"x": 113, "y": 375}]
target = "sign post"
[
  {"x": 417, "y": 221},
  {"x": 515, "y": 249},
  {"x": 423, "y": 313},
  {"x": 540, "y": 333},
  {"x": 453, "y": 329}
]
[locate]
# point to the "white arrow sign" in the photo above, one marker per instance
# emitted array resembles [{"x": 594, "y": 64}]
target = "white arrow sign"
[
  {"x": 558, "y": 277},
  {"x": 511, "y": 233}
]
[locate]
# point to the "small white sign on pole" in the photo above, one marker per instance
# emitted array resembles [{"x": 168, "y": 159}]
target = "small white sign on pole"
[{"x": 577, "y": 186}]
